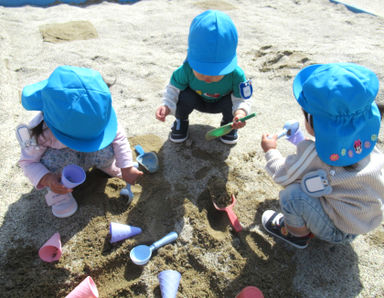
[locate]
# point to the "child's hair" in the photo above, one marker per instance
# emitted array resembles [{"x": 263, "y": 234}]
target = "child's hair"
[
  {"x": 308, "y": 117},
  {"x": 37, "y": 131}
]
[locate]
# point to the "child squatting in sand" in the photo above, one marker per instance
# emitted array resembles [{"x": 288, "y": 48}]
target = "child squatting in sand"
[
  {"x": 334, "y": 186},
  {"x": 209, "y": 80},
  {"x": 76, "y": 125}
]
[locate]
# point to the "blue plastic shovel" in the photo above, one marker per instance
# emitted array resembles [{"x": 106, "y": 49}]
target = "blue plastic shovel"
[
  {"x": 148, "y": 160},
  {"x": 141, "y": 254}
]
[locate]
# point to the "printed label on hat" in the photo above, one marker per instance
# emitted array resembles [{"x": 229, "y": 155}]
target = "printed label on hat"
[{"x": 246, "y": 89}]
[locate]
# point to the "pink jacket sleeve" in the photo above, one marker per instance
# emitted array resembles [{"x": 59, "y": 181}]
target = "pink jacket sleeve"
[{"x": 122, "y": 149}]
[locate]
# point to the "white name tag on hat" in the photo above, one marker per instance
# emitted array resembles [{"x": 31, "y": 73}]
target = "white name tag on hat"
[{"x": 315, "y": 184}]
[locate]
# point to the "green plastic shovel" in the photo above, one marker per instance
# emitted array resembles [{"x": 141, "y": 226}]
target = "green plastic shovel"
[{"x": 223, "y": 130}]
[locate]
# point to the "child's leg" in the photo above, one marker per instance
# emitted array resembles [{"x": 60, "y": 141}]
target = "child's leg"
[
  {"x": 303, "y": 213},
  {"x": 223, "y": 106},
  {"x": 189, "y": 100},
  {"x": 104, "y": 160},
  {"x": 55, "y": 160}
]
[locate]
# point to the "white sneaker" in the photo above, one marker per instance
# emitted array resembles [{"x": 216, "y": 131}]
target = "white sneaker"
[{"x": 65, "y": 207}]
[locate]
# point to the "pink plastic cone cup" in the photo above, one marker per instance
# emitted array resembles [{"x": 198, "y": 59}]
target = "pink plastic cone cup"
[
  {"x": 250, "y": 292},
  {"x": 51, "y": 250},
  {"x": 169, "y": 283},
  {"x": 86, "y": 289},
  {"x": 120, "y": 231},
  {"x": 72, "y": 176}
]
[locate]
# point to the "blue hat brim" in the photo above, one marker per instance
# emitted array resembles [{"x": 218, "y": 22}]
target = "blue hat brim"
[
  {"x": 300, "y": 79},
  {"x": 31, "y": 96},
  {"x": 212, "y": 68},
  {"x": 90, "y": 145}
]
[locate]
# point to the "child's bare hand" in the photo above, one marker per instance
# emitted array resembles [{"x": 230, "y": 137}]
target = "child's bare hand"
[
  {"x": 162, "y": 112},
  {"x": 236, "y": 123},
  {"x": 53, "y": 182},
  {"x": 130, "y": 175},
  {"x": 268, "y": 142}
]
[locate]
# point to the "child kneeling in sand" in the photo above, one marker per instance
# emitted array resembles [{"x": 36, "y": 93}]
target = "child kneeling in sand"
[
  {"x": 334, "y": 186},
  {"x": 77, "y": 125},
  {"x": 209, "y": 80}
]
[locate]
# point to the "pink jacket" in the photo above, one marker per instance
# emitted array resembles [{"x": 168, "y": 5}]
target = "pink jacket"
[{"x": 35, "y": 170}]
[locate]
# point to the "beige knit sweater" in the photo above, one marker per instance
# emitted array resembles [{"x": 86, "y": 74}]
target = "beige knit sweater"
[{"x": 356, "y": 203}]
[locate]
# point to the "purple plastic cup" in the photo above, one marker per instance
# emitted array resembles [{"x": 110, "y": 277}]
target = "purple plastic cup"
[
  {"x": 297, "y": 137},
  {"x": 72, "y": 176}
]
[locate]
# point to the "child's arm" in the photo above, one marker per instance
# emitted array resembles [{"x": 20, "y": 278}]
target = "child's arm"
[
  {"x": 287, "y": 170},
  {"x": 30, "y": 163},
  {"x": 123, "y": 155},
  {"x": 169, "y": 101},
  {"x": 239, "y": 114}
]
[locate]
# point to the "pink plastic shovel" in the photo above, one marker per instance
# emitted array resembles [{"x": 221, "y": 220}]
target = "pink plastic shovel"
[{"x": 231, "y": 215}]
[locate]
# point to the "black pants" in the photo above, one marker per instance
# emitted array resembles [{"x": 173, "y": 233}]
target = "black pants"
[{"x": 189, "y": 100}]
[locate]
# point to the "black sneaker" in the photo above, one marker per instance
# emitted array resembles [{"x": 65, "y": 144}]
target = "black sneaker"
[
  {"x": 273, "y": 222},
  {"x": 179, "y": 131},
  {"x": 230, "y": 138}
]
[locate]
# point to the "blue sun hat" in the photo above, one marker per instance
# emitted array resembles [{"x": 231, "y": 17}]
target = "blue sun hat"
[
  {"x": 77, "y": 107},
  {"x": 212, "y": 44},
  {"x": 340, "y": 98}
]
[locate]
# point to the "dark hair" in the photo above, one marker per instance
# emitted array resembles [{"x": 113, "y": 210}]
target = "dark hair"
[
  {"x": 309, "y": 118},
  {"x": 37, "y": 131}
]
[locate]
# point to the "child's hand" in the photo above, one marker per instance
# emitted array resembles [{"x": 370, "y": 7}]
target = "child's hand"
[
  {"x": 268, "y": 142},
  {"x": 162, "y": 112},
  {"x": 53, "y": 182},
  {"x": 236, "y": 123},
  {"x": 130, "y": 175}
]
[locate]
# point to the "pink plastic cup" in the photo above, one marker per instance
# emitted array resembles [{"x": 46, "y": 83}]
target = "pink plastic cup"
[
  {"x": 51, "y": 250},
  {"x": 86, "y": 289},
  {"x": 250, "y": 292},
  {"x": 72, "y": 176}
]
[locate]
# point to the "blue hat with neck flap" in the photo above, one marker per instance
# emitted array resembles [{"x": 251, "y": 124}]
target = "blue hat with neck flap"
[{"x": 340, "y": 98}]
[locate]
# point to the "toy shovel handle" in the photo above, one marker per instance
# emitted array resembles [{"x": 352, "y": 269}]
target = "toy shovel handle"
[
  {"x": 139, "y": 149},
  {"x": 172, "y": 236},
  {"x": 247, "y": 117},
  {"x": 233, "y": 219}
]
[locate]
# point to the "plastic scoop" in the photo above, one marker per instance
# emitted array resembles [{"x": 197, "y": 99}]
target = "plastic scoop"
[
  {"x": 231, "y": 215},
  {"x": 223, "y": 130},
  {"x": 290, "y": 127},
  {"x": 148, "y": 160},
  {"x": 141, "y": 254}
]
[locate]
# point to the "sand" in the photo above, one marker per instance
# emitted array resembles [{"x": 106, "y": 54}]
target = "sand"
[{"x": 136, "y": 47}]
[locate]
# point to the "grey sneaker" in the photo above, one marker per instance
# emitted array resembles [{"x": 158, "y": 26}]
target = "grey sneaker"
[
  {"x": 273, "y": 223},
  {"x": 179, "y": 131}
]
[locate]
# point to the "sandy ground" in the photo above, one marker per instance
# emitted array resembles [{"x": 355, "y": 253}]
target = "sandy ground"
[{"x": 139, "y": 46}]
